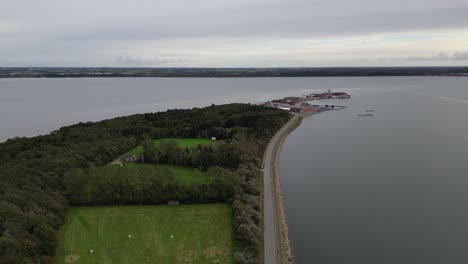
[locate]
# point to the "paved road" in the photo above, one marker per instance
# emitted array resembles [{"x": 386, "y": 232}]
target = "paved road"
[{"x": 272, "y": 233}]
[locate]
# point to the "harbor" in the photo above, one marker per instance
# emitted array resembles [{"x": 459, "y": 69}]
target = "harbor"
[{"x": 308, "y": 103}]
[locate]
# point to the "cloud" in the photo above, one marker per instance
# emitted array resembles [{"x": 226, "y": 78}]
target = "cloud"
[
  {"x": 460, "y": 55},
  {"x": 438, "y": 57},
  {"x": 441, "y": 57},
  {"x": 258, "y": 18},
  {"x": 230, "y": 33},
  {"x": 148, "y": 62}
]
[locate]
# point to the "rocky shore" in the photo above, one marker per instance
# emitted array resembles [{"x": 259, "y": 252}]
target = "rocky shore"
[{"x": 287, "y": 254}]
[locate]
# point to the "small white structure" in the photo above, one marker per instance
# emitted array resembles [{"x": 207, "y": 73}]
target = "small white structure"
[
  {"x": 129, "y": 236},
  {"x": 172, "y": 236},
  {"x": 91, "y": 251},
  {"x": 213, "y": 138},
  {"x": 284, "y": 108}
]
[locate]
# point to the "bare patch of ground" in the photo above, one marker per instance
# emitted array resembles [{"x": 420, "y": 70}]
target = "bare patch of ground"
[{"x": 71, "y": 258}]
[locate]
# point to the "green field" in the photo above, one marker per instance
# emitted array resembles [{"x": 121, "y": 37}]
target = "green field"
[
  {"x": 186, "y": 175},
  {"x": 182, "y": 142},
  {"x": 147, "y": 234}
]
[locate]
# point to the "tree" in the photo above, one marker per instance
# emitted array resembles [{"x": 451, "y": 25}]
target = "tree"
[{"x": 150, "y": 151}]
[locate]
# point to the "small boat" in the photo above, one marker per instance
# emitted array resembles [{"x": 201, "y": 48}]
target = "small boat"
[{"x": 362, "y": 115}]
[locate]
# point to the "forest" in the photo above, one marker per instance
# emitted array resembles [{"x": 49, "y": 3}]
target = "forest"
[
  {"x": 115, "y": 185},
  {"x": 40, "y": 177},
  {"x": 202, "y": 157}
]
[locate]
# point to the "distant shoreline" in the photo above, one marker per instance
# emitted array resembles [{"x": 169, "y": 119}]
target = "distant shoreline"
[{"x": 109, "y": 72}]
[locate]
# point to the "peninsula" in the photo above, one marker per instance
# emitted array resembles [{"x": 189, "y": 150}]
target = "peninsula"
[
  {"x": 188, "y": 172},
  {"x": 277, "y": 246},
  {"x": 185, "y": 188}
]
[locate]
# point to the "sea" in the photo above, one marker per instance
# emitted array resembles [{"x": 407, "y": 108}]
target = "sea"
[{"x": 383, "y": 181}]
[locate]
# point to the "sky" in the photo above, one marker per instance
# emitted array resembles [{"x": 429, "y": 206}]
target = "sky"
[{"x": 235, "y": 33}]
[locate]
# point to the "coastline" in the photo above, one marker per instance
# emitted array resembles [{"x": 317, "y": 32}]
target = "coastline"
[
  {"x": 286, "y": 251},
  {"x": 277, "y": 246}
]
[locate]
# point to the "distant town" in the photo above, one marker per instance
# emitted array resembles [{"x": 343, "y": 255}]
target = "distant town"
[{"x": 304, "y": 103}]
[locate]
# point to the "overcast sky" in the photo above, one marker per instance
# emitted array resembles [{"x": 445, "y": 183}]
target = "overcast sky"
[{"x": 235, "y": 33}]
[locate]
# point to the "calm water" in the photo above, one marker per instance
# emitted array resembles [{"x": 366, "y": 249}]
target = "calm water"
[
  {"x": 30, "y": 107},
  {"x": 387, "y": 189}
]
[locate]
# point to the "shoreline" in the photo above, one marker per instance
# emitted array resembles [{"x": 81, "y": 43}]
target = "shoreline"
[
  {"x": 286, "y": 249},
  {"x": 277, "y": 246}
]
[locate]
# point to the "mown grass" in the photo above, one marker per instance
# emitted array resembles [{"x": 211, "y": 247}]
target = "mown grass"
[
  {"x": 142, "y": 234},
  {"x": 182, "y": 142},
  {"x": 186, "y": 175}
]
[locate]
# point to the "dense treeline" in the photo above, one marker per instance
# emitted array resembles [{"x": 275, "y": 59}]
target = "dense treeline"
[
  {"x": 33, "y": 193},
  {"x": 227, "y": 154},
  {"x": 111, "y": 185},
  {"x": 246, "y": 206}
]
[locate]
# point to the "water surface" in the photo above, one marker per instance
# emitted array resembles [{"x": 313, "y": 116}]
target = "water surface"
[
  {"x": 386, "y": 189},
  {"x": 29, "y": 107}
]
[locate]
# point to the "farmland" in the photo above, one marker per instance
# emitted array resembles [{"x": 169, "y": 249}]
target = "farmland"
[
  {"x": 182, "y": 142},
  {"x": 147, "y": 234}
]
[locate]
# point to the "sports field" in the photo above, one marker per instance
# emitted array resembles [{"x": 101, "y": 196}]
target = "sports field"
[
  {"x": 182, "y": 142},
  {"x": 147, "y": 234}
]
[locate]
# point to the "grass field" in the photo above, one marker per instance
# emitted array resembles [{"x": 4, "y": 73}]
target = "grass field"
[
  {"x": 183, "y": 143},
  {"x": 147, "y": 234},
  {"x": 186, "y": 175}
]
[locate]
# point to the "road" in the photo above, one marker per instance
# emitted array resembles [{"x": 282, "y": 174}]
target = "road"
[{"x": 272, "y": 232}]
